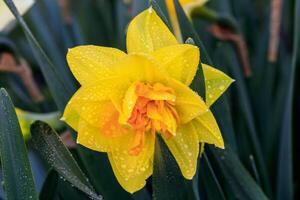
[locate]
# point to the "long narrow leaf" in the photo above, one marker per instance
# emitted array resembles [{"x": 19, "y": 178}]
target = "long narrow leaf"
[
  {"x": 59, "y": 90},
  {"x": 167, "y": 178},
  {"x": 18, "y": 179},
  {"x": 285, "y": 163},
  {"x": 48, "y": 143},
  {"x": 240, "y": 183}
]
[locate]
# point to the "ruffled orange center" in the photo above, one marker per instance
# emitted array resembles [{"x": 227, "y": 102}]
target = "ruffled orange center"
[{"x": 154, "y": 112}]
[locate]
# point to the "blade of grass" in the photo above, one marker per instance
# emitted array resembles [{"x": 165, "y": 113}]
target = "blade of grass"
[
  {"x": 59, "y": 90},
  {"x": 245, "y": 106},
  {"x": 240, "y": 184},
  {"x": 48, "y": 143},
  {"x": 285, "y": 162},
  {"x": 209, "y": 180},
  {"x": 49, "y": 189},
  {"x": 18, "y": 179},
  {"x": 167, "y": 178}
]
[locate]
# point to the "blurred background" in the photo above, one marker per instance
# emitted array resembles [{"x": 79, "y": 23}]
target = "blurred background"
[{"x": 251, "y": 40}]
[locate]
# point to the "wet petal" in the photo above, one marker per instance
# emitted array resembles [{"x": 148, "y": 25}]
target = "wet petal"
[
  {"x": 83, "y": 97},
  {"x": 133, "y": 170},
  {"x": 208, "y": 130},
  {"x": 185, "y": 148},
  {"x": 132, "y": 69},
  {"x": 90, "y": 64},
  {"x": 179, "y": 61},
  {"x": 189, "y": 104},
  {"x": 216, "y": 83},
  {"x": 107, "y": 135},
  {"x": 147, "y": 33}
]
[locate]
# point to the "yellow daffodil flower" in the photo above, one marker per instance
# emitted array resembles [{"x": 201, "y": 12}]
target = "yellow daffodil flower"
[
  {"x": 7, "y": 17},
  {"x": 188, "y": 6},
  {"x": 126, "y": 99}
]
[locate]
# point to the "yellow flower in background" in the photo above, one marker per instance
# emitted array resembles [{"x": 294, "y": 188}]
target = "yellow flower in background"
[
  {"x": 7, "y": 17},
  {"x": 126, "y": 99},
  {"x": 26, "y": 118},
  {"x": 188, "y": 6}
]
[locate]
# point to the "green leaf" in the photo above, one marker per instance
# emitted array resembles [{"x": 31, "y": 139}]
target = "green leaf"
[
  {"x": 239, "y": 183},
  {"x": 285, "y": 162},
  {"x": 245, "y": 106},
  {"x": 49, "y": 189},
  {"x": 48, "y": 143},
  {"x": 209, "y": 181},
  {"x": 167, "y": 180},
  {"x": 138, "y": 6},
  {"x": 18, "y": 180},
  {"x": 60, "y": 91}
]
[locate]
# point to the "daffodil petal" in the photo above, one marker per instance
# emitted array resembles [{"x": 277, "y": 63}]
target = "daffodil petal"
[
  {"x": 134, "y": 68},
  {"x": 208, "y": 130},
  {"x": 179, "y": 61},
  {"x": 84, "y": 96},
  {"x": 185, "y": 148},
  {"x": 133, "y": 170},
  {"x": 109, "y": 135},
  {"x": 90, "y": 64},
  {"x": 188, "y": 104},
  {"x": 147, "y": 33},
  {"x": 216, "y": 83}
]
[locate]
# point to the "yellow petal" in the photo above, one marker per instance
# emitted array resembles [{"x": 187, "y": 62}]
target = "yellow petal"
[
  {"x": 135, "y": 68},
  {"x": 90, "y": 64},
  {"x": 147, "y": 33},
  {"x": 179, "y": 61},
  {"x": 84, "y": 96},
  {"x": 130, "y": 170},
  {"x": 188, "y": 104},
  {"x": 185, "y": 148},
  {"x": 107, "y": 135},
  {"x": 216, "y": 83},
  {"x": 208, "y": 130}
]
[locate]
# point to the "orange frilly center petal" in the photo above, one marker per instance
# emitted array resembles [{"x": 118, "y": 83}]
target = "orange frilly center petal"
[{"x": 153, "y": 112}]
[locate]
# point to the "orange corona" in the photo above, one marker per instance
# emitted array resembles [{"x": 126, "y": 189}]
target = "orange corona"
[{"x": 153, "y": 112}]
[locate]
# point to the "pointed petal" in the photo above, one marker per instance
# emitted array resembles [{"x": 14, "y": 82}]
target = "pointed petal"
[
  {"x": 133, "y": 170},
  {"x": 185, "y": 148},
  {"x": 107, "y": 135},
  {"x": 84, "y": 96},
  {"x": 135, "y": 68},
  {"x": 179, "y": 61},
  {"x": 189, "y": 104},
  {"x": 147, "y": 33},
  {"x": 216, "y": 83},
  {"x": 208, "y": 130},
  {"x": 90, "y": 64}
]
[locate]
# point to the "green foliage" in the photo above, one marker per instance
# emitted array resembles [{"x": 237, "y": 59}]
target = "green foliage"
[
  {"x": 255, "y": 116},
  {"x": 17, "y": 176}
]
